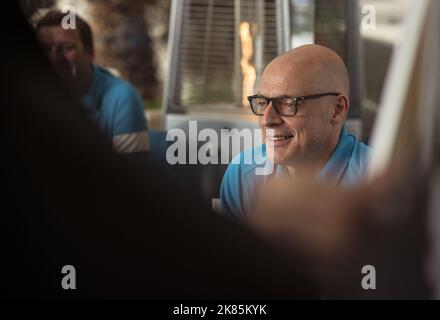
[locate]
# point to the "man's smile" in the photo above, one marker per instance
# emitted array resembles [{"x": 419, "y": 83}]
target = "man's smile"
[{"x": 279, "y": 140}]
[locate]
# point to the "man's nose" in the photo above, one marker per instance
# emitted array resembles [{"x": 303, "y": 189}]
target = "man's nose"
[
  {"x": 56, "y": 53},
  {"x": 271, "y": 117}
]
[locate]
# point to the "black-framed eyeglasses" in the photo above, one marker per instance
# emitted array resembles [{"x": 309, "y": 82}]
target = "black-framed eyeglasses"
[{"x": 284, "y": 106}]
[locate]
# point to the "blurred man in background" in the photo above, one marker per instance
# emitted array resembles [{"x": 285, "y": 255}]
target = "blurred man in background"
[{"x": 113, "y": 103}]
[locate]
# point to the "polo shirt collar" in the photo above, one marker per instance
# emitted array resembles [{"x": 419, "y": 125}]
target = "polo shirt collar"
[{"x": 336, "y": 166}]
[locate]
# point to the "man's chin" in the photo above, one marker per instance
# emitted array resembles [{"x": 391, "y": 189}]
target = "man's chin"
[
  {"x": 283, "y": 159},
  {"x": 275, "y": 158},
  {"x": 64, "y": 74}
]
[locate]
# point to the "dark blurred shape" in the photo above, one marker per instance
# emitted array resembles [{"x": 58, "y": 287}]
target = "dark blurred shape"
[{"x": 130, "y": 232}]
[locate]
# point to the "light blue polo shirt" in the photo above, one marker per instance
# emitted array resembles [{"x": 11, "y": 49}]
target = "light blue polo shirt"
[
  {"x": 116, "y": 107},
  {"x": 241, "y": 187}
]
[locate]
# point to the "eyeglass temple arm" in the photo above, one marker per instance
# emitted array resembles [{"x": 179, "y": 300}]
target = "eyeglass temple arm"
[{"x": 314, "y": 96}]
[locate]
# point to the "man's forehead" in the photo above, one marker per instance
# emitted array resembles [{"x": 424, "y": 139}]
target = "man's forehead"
[
  {"x": 57, "y": 33},
  {"x": 290, "y": 80}
]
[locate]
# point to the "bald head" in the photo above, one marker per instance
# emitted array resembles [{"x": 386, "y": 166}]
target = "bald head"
[{"x": 308, "y": 69}]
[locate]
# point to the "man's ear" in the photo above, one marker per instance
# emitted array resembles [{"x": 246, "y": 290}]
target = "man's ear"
[{"x": 340, "y": 109}]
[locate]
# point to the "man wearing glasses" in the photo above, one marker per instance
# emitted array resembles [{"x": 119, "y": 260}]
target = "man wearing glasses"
[{"x": 303, "y": 100}]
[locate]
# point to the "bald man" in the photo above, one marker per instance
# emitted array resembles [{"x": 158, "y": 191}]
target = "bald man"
[{"x": 303, "y": 100}]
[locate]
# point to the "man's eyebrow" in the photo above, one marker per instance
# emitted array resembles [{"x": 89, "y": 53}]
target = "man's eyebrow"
[
  {"x": 277, "y": 97},
  {"x": 58, "y": 43}
]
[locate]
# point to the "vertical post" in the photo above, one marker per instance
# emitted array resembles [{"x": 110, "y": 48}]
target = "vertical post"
[
  {"x": 283, "y": 25},
  {"x": 259, "y": 39},
  {"x": 354, "y": 62},
  {"x": 169, "y": 92},
  {"x": 237, "y": 53}
]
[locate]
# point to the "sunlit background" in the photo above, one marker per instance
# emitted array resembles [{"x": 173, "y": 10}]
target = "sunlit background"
[{"x": 218, "y": 49}]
